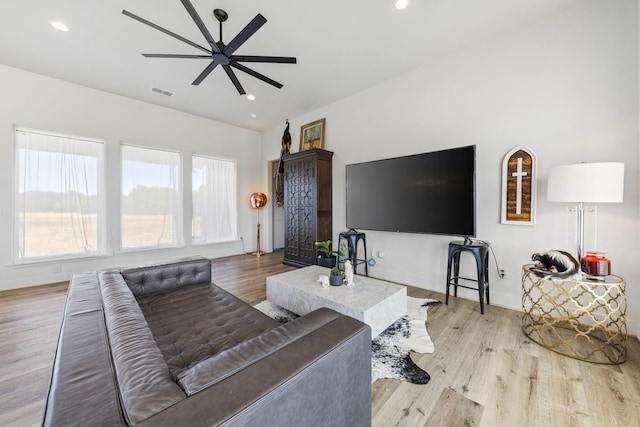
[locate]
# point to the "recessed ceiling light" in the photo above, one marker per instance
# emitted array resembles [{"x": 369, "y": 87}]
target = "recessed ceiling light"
[
  {"x": 251, "y": 97},
  {"x": 401, "y": 4},
  {"x": 59, "y": 26},
  {"x": 254, "y": 115}
]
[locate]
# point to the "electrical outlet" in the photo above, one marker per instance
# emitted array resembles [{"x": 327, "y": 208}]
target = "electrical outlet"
[{"x": 501, "y": 273}]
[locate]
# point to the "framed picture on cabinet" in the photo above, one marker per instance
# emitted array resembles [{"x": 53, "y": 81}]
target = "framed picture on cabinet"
[{"x": 312, "y": 135}]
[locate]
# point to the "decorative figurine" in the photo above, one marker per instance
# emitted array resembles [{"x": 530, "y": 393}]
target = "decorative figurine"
[
  {"x": 348, "y": 273},
  {"x": 554, "y": 264},
  {"x": 323, "y": 280}
]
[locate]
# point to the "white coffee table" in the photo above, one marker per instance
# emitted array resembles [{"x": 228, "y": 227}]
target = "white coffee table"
[{"x": 372, "y": 301}]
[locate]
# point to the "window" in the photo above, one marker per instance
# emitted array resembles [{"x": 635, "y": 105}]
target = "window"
[
  {"x": 58, "y": 196},
  {"x": 214, "y": 200},
  {"x": 151, "y": 199}
]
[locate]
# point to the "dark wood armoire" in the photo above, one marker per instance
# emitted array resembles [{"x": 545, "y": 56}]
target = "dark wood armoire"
[{"x": 307, "y": 204}]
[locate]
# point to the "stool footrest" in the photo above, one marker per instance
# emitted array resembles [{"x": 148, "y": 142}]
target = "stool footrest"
[
  {"x": 358, "y": 261},
  {"x": 466, "y": 287},
  {"x": 451, "y": 282}
]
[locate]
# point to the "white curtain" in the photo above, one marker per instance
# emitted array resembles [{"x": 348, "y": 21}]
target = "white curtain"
[
  {"x": 151, "y": 198},
  {"x": 59, "y": 196},
  {"x": 214, "y": 200}
]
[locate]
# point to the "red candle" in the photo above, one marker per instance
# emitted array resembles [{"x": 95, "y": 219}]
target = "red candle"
[{"x": 596, "y": 264}]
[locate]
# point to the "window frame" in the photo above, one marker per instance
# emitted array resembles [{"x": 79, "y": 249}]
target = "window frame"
[
  {"x": 103, "y": 247},
  {"x": 178, "y": 228}
]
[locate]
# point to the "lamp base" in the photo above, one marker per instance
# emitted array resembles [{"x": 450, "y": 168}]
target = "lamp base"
[{"x": 258, "y": 252}]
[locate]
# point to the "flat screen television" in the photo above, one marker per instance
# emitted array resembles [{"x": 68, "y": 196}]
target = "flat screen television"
[{"x": 431, "y": 193}]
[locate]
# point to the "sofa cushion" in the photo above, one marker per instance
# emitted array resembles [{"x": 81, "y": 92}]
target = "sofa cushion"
[
  {"x": 146, "y": 386},
  {"x": 196, "y": 322},
  {"x": 321, "y": 379},
  {"x": 165, "y": 277},
  {"x": 217, "y": 368}
]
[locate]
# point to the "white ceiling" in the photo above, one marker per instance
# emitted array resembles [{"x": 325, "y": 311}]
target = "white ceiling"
[{"x": 342, "y": 47}]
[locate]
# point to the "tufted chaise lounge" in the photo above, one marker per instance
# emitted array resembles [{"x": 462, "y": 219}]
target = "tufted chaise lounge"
[{"x": 163, "y": 346}]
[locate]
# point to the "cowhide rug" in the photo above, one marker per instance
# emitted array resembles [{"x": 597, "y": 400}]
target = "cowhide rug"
[{"x": 390, "y": 351}]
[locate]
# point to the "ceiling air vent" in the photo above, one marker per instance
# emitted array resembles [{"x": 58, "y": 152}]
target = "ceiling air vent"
[{"x": 161, "y": 91}]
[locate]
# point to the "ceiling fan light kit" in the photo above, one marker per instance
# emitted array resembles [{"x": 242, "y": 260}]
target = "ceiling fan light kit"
[{"x": 218, "y": 52}]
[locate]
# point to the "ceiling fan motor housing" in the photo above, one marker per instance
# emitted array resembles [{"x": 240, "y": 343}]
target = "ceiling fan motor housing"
[{"x": 220, "y": 15}]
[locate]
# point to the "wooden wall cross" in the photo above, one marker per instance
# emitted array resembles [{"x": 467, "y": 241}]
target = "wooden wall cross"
[{"x": 519, "y": 187}]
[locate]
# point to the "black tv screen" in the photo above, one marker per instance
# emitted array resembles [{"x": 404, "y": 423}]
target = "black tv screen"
[{"x": 432, "y": 193}]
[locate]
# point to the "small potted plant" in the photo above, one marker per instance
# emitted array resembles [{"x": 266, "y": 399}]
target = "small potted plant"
[
  {"x": 335, "y": 279},
  {"x": 326, "y": 256}
]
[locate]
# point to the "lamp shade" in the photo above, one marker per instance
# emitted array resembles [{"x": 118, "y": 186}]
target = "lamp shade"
[
  {"x": 586, "y": 182},
  {"x": 258, "y": 200}
]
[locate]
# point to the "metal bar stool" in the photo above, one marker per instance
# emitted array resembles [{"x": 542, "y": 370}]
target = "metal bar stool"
[
  {"x": 353, "y": 237},
  {"x": 480, "y": 251}
]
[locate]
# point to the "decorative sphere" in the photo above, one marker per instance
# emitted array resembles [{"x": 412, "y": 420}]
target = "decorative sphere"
[{"x": 258, "y": 200}]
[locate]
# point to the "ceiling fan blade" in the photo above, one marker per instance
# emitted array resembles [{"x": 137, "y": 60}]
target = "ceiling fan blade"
[
  {"x": 276, "y": 59},
  {"x": 234, "y": 79},
  {"x": 170, "y": 55},
  {"x": 159, "y": 28},
  {"x": 203, "y": 29},
  {"x": 256, "y": 74},
  {"x": 205, "y": 73},
  {"x": 244, "y": 35}
]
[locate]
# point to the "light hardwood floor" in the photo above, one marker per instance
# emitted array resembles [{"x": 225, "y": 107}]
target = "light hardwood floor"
[{"x": 484, "y": 371}]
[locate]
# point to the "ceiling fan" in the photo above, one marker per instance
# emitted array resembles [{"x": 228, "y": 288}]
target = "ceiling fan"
[{"x": 219, "y": 52}]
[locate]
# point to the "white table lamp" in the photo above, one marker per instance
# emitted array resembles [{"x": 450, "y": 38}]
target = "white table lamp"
[{"x": 586, "y": 183}]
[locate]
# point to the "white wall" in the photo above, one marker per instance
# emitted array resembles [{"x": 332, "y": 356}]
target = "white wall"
[
  {"x": 566, "y": 87},
  {"x": 40, "y": 102}
]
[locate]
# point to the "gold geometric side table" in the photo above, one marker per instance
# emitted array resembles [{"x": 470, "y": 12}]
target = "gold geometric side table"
[{"x": 583, "y": 319}]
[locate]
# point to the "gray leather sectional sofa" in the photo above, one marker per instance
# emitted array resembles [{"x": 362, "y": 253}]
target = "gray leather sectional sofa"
[{"x": 163, "y": 346}]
